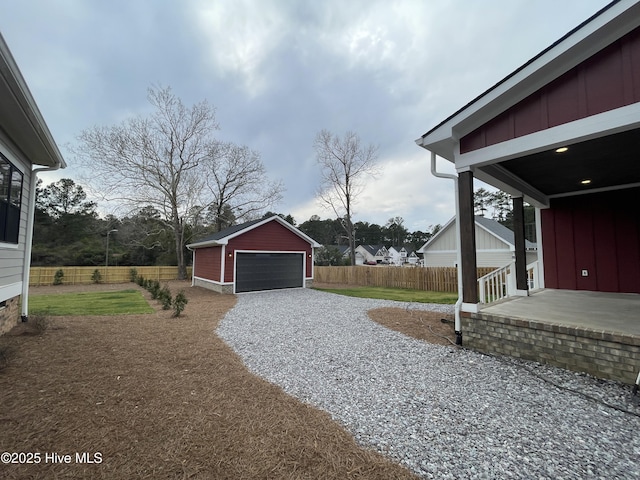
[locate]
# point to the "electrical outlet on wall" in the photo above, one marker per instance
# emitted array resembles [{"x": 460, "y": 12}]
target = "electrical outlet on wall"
[{"x": 585, "y": 273}]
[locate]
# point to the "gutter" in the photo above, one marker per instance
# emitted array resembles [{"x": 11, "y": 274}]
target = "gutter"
[
  {"x": 26, "y": 264},
  {"x": 458, "y": 306}
]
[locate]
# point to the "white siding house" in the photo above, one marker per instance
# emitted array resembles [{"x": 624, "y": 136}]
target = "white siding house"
[
  {"x": 495, "y": 245},
  {"x": 26, "y": 147}
]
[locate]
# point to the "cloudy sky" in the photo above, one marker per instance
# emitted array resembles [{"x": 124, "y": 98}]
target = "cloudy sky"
[{"x": 279, "y": 71}]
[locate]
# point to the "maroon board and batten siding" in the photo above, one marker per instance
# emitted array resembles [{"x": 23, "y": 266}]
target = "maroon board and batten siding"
[
  {"x": 599, "y": 233},
  {"x": 272, "y": 237},
  {"x": 207, "y": 263},
  {"x": 609, "y": 79}
]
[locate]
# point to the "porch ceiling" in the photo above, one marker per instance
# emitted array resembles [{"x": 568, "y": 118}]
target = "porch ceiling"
[{"x": 608, "y": 161}]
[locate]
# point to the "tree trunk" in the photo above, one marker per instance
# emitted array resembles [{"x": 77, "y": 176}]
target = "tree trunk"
[{"x": 178, "y": 229}]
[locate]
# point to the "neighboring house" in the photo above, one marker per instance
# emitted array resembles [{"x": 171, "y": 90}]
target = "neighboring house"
[
  {"x": 343, "y": 249},
  {"x": 26, "y": 147},
  {"x": 263, "y": 254},
  {"x": 413, "y": 258},
  {"x": 397, "y": 255},
  {"x": 495, "y": 245},
  {"x": 401, "y": 256},
  {"x": 381, "y": 255},
  {"x": 372, "y": 254}
]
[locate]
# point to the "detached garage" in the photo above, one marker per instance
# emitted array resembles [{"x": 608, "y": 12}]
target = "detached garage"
[{"x": 264, "y": 254}]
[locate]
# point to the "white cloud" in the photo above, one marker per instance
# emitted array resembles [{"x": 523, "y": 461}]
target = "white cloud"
[
  {"x": 281, "y": 70},
  {"x": 240, "y": 36},
  {"x": 405, "y": 188}
]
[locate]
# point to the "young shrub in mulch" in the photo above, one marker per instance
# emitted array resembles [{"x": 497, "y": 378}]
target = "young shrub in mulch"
[
  {"x": 40, "y": 323},
  {"x": 165, "y": 298},
  {"x": 96, "y": 276},
  {"x": 179, "y": 303},
  {"x": 154, "y": 289},
  {"x": 133, "y": 275},
  {"x": 140, "y": 280},
  {"x": 7, "y": 352},
  {"x": 57, "y": 278}
]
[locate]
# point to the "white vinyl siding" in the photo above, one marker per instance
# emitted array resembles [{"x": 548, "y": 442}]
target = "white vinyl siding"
[
  {"x": 497, "y": 259},
  {"x": 446, "y": 240},
  {"x": 491, "y": 251},
  {"x": 484, "y": 240},
  {"x": 440, "y": 259},
  {"x": 12, "y": 255}
]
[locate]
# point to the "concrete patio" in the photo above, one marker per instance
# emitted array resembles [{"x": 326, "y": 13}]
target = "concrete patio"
[{"x": 611, "y": 312}]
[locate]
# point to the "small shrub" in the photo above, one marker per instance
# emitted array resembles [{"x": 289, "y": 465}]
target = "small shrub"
[
  {"x": 154, "y": 289},
  {"x": 179, "y": 303},
  {"x": 133, "y": 275},
  {"x": 39, "y": 322},
  {"x": 57, "y": 278},
  {"x": 140, "y": 280},
  {"x": 96, "y": 277},
  {"x": 167, "y": 301},
  {"x": 164, "y": 292},
  {"x": 7, "y": 352}
]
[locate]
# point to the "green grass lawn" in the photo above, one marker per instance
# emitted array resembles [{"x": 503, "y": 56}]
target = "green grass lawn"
[
  {"x": 90, "y": 303},
  {"x": 399, "y": 294}
]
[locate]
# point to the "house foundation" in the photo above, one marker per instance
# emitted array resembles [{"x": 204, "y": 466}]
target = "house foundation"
[
  {"x": 601, "y": 353},
  {"x": 9, "y": 314}
]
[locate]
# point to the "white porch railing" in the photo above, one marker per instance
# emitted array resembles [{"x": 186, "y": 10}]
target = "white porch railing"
[{"x": 501, "y": 283}]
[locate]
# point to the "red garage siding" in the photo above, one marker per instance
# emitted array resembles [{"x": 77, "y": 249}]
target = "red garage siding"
[
  {"x": 271, "y": 236},
  {"x": 599, "y": 233},
  {"x": 609, "y": 79},
  {"x": 207, "y": 263}
]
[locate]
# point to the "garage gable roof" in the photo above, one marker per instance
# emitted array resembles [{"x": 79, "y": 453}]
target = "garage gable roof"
[{"x": 223, "y": 236}]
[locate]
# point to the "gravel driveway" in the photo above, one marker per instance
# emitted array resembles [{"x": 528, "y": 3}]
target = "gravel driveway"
[{"x": 441, "y": 411}]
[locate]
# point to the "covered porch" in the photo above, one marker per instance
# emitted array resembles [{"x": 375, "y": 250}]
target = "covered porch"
[
  {"x": 602, "y": 311},
  {"x": 593, "y": 332},
  {"x": 560, "y": 134}
]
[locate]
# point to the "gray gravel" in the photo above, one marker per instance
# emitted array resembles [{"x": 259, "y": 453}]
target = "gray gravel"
[{"x": 441, "y": 411}]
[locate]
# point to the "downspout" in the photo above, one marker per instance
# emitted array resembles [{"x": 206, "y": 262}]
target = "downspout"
[
  {"x": 26, "y": 264},
  {"x": 193, "y": 265},
  {"x": 458, "y": 306}
]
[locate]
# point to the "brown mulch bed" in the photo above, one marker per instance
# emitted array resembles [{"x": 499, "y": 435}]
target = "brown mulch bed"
[
  {"x": 423, "y": 325},
  {"x": 160, "y": 397},
  {"x": 419, "y": 324}
]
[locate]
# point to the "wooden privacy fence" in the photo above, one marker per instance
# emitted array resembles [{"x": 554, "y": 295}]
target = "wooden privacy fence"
[
  {"x": 84, "y": 275},
  {"x": 437, "y": 279}
]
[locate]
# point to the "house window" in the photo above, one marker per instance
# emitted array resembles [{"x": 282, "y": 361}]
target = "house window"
[{"x": 10, "y": 201}]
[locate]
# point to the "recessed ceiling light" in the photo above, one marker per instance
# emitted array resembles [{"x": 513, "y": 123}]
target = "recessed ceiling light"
[
  {"x": 562, "y": 149},
  {"x": 586, "y": 181}
]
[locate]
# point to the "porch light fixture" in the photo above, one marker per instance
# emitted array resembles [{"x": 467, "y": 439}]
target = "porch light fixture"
[
  {"x": 586, "y": 181},
  {"x": 562, "y": 149}
]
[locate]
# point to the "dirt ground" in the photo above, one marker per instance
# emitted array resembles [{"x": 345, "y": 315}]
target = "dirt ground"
[{"x": 150, "y": 396}]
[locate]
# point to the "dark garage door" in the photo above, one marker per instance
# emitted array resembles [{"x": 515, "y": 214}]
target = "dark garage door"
[{"x": 268, "y": 271}]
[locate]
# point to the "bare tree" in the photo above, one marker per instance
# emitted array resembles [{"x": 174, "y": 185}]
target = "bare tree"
[
  {"x": 155, "y": 160},
  {"x": 238, "y": 184},
  {"x": 170, "y": 161},
  {"x": 344, "y": 164}
]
